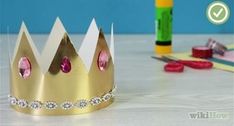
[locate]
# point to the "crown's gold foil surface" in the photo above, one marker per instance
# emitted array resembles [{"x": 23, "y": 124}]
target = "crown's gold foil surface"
[{"x": 57, "y": 86}]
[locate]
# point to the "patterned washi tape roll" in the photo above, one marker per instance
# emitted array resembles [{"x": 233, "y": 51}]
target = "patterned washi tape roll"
[{"x": 217, "y": 47}]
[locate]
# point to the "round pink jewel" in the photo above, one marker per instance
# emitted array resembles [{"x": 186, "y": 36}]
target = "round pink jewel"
[
  {"x": 103, "y": 59},
  {"x": 65, "y": 65},
  {"x": 24, "y": 66}
]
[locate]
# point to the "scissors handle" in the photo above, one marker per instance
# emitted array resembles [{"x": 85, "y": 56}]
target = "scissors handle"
[
  {"x": 174, "y": 67},
  {"x": 196, "y": 64}
]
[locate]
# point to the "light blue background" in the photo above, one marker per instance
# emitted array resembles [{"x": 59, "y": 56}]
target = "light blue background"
[{"x": 129, "y": 16}]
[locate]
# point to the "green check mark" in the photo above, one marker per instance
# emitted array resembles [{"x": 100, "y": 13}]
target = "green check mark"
[
  {"x": 218, "y": 15},
  {"x": 218, "y": 12}
]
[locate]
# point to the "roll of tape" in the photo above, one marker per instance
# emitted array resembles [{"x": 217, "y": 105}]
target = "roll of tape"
[
  {"x": 217, "y": 47},
  {"x": 202, "y": 52}
]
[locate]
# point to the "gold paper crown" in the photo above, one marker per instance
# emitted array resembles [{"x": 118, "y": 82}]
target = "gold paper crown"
[{"x": 61, "y": 81}]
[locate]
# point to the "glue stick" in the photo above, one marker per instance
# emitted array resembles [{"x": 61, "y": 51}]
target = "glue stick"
[{"x": 163, "y": 29}]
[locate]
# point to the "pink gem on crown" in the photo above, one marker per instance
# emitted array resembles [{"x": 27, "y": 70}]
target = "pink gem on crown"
[
  {"x": 24, "y": 67},
  {"x": 103, "y": 60},
  {"x": 65, "y": 65}
]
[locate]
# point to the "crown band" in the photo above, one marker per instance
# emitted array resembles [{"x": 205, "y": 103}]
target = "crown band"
[{"x": 66, "y": 105}]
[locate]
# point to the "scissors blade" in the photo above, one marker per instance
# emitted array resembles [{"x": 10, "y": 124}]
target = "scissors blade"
[{"x": 162, "y": 58}]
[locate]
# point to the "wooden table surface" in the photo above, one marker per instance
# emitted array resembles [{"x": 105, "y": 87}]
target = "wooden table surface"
[{"x": 146, "y": 95}]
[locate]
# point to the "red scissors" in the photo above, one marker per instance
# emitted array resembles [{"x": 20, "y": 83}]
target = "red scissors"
[{"x": 174, "y": 65}]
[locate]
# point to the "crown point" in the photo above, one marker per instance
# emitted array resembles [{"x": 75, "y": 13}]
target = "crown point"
[
  {"x": 23, "y": 27},
  {"x": 93, "y": 24},
  {"x": 23, "y": 24},
  {"x": 58, "y": 25},
  {"x": 56, "y": 35},
  {"x": 58, "y": 21},
  {"x": 57, "y": 18},
  {"x": 93, "y": 20},
  {"x": 89, "y": 44},
  {"x": 23, "y": 33}
]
